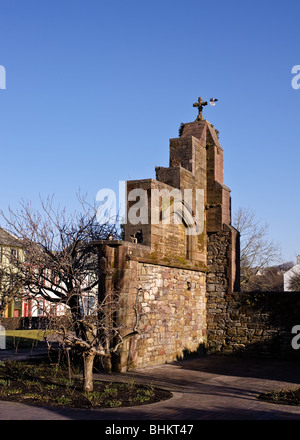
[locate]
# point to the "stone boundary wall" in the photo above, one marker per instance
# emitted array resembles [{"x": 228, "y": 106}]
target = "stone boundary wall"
[
  {"x": 256, "y": 324},
  {"x": 172, "y": 308}
]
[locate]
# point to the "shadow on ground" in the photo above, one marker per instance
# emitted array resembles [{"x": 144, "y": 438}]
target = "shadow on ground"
[
  {"x": 271, "y": 369},
  {"x": 207, "y": 388}
]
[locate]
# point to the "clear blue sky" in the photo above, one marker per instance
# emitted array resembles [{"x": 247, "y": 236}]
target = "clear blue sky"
[{"x": 95, "y": 89}]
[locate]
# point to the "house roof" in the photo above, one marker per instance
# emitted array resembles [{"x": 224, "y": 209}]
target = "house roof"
[
  {"x": 7, "y": 239},
  {"x": 294, "y": 270}
]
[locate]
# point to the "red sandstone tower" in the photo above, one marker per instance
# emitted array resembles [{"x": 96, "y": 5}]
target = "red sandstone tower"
[{"x": 171, "y": 274}]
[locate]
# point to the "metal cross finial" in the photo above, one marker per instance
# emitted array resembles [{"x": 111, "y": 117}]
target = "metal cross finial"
[{"x": 200, "y": 104}]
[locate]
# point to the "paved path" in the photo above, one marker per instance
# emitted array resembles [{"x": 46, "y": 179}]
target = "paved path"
[{"x": 209, "y": 388}]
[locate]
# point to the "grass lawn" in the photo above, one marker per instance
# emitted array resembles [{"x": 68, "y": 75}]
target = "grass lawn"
[
  {"x": 18, "y": 339},
  {"x": 26, "y": 334}
]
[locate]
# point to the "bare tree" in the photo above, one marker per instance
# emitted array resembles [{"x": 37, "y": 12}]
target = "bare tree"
[
  {"x": 269, "y": 279},
  {"x": 10, "y": 287},
  {"x": 294, "y": 282},
  {"x": 10, "y": 290},
  {"x": 101, "y": 332},
  {"x": 257, "y": 251},
  {"x": 61, "y": 266}
]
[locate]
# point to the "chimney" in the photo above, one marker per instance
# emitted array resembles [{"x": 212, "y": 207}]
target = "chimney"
[{"x": 298, "y": 259}]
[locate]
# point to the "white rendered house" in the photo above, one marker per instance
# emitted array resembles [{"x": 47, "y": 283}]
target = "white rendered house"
[{"x": 289, "y": 274}]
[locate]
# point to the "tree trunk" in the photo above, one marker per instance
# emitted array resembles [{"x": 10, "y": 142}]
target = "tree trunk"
[
  {"x": 88, "y": 361},
  {"x": 107, "y": 364}
]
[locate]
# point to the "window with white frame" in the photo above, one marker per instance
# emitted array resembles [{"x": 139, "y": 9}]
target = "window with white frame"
[
  {"x": 40, "y": 307},
  {"x": 14, "y": 253}
]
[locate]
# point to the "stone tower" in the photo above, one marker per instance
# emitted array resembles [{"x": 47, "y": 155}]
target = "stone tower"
[{"x": 180, "y": 252}]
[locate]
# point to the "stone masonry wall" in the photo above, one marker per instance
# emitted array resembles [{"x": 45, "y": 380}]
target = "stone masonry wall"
[
  {"x": 216, "y": 286},
  {"x": 258, "y": 324},
  {"x": 172, "y": 308}
]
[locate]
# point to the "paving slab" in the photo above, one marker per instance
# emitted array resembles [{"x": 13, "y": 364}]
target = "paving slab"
[{"x": 208, "y": 388}]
